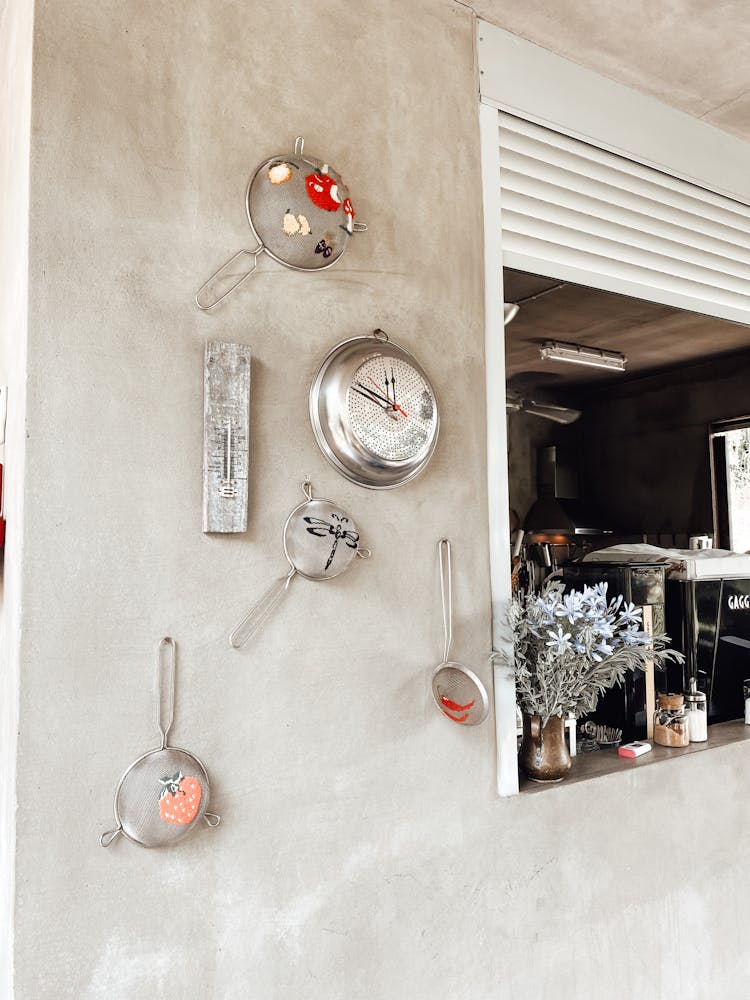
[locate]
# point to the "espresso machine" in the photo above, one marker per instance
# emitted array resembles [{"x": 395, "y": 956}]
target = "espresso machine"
[{"x": 709, "y": 620}]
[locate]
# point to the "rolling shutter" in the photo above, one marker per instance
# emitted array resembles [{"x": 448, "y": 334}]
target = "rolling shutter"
[{"x": 581, "y": 213}]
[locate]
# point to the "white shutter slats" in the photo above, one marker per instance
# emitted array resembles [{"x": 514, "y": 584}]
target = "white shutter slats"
[
  {"x": 674, "y": 257},
  {"x": 646, "y": 283},
  {"x": 538, "y": 199},
  {"x": 639, "y": 176},
  {"x": 617, "y": 259},
  {"x": 522, "y": 171},
  {"x": 569, "y": 207}
]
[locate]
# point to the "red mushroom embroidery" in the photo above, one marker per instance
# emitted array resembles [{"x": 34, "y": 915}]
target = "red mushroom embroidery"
[
  {"x": 322, "y": 190},
  {"x": 349, "y": 213}
]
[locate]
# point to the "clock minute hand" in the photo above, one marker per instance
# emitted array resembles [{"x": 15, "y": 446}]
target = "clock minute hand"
[
  {"x": 371, "y": 394},
  {"x": 383, "y": 406}
]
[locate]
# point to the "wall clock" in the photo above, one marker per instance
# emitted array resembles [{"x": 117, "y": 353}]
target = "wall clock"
[{"x": 373, "y": 412}]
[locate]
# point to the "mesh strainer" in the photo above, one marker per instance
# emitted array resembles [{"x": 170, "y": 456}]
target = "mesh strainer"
[
  {"x": 164, "y": 793},
  {"x": 320, "y": 542},
  {"x": 458, "y": 692},
  {"x": 299, "y": 211}
]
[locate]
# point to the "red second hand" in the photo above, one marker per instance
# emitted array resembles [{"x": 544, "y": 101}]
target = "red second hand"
[{"x": 394, "y": 405}]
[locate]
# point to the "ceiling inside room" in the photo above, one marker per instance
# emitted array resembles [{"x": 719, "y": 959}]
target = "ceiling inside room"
[
  {"x": 692, "y": 55},
  {"x": 653, "y": 337}
]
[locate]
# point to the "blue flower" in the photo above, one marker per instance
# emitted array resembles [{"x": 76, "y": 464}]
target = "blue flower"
[
  {"x": 549, "y": 608},
  {"x": 630, "y": 615},
  {"x": 604, "y": 628},
  {"x": 571, "y": 607},
  {"x": 559, "y": 641}
]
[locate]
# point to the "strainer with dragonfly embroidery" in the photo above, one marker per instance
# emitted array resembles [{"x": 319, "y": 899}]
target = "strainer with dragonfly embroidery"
[{"x": 320, "y": 542}]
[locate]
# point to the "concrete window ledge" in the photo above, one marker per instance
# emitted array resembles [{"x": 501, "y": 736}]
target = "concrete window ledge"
[{"x": 595, "y": 765}]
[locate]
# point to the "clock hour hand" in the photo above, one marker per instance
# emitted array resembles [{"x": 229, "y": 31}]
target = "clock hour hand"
[{"x": 391, "y": 402}]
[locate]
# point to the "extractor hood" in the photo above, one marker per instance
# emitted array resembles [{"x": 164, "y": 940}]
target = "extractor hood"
[{"x": 558, "y": 509}]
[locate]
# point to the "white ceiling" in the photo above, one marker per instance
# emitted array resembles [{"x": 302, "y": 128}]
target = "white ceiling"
[{"x": 690, "y": 54}]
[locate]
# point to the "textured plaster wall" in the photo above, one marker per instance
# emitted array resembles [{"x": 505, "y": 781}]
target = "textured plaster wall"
[
  {"x": 653, "y": 435},
  {"x": 16, "y": 22},
  {"x": 363, "y": 852}
]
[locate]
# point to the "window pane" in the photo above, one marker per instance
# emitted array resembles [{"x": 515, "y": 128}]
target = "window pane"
[{"x": 738, "y": 488}]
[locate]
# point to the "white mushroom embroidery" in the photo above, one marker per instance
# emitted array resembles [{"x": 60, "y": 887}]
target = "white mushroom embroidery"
[
  {"x": 279, "y": 173},
  {"x": 295, "y": 225}
]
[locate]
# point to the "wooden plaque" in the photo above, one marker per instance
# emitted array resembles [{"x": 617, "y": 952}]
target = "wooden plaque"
[{"x": 226, "y": 426}]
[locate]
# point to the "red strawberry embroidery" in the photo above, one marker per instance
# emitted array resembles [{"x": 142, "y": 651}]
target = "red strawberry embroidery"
[
  {"x": 180, "y": 799},
  {"x": 323, "y": 191}
]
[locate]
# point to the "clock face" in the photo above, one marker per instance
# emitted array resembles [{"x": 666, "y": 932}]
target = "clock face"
[{"x": 391, "y": 408}]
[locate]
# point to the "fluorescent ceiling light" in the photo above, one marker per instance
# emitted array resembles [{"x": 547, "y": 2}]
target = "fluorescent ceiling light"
[{"x": 577, "y": 354}]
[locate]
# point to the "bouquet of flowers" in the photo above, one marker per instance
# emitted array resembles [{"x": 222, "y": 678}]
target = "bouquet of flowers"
[{"x": 570, "y": 647}]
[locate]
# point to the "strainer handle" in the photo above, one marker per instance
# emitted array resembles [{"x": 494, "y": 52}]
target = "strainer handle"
[
  {"x": 444, "y": 554},
  {"x": 106, "y": 838},
  {"x": 165, "y": 670},
  {"x": 206, "y": 303},
  {"x": 257, "y": 615}
]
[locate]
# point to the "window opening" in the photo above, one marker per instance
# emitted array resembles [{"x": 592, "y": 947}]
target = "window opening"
[{"x": 730, "y": 446}]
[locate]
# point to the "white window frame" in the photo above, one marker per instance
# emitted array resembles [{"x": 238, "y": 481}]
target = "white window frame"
[{"x": 532, "y": 83}]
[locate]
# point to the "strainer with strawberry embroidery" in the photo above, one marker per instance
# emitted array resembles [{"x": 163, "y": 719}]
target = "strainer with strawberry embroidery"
[{"x": 164, "y": 794}]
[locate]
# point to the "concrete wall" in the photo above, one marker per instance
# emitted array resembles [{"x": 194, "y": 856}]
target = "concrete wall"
[
  {"x": 363, "y": 852},
  {"x": 16, "y": 23},
  {"x": 646, "y": 445}
]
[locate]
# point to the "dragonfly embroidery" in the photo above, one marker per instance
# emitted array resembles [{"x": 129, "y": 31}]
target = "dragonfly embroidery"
[{"x": 335, "y": 527}]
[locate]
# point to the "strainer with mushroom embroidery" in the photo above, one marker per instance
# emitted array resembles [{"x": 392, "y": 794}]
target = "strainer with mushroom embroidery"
[{"x": 301, "y": 214}]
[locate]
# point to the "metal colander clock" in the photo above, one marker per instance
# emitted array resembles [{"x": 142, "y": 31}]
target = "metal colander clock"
[{"x": 374, "y": 412}]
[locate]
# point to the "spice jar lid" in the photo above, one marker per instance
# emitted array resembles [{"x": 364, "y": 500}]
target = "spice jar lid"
[
  {"x": 671, "y": 701},
  {"x": 695, "y": 698}
]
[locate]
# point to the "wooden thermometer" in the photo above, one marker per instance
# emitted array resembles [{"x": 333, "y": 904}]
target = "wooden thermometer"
[{"x": 226, "y": 418}]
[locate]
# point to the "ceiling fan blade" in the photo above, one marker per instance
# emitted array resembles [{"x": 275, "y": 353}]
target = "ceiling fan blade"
[{"x": 560, "y": 414}]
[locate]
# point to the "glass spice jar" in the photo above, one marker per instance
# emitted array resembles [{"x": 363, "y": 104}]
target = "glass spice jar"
[
  {"x": 696, "y": 708},
  {"x": 671, "y": 722}
]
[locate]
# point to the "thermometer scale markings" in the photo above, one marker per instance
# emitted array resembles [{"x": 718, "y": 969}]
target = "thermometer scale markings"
[{"x": 225, "y": 436}]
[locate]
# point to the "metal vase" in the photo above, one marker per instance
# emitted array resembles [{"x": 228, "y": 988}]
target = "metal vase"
[{"x": 544, "y": 754}]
